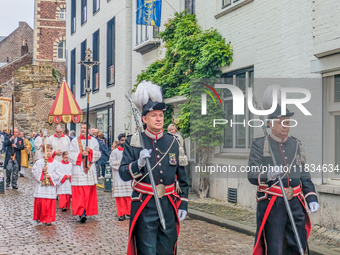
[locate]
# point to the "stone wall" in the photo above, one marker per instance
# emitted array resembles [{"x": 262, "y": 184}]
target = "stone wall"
[
  {"x": 35, "y": 89},
  {"x": 7, "y": 71}
]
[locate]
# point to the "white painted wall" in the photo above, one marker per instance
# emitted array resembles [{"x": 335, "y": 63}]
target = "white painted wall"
[
  {"x": 326, "y": 28},
  {"x": 279, "y": 38},
  {"x": 121, "y": 10}
]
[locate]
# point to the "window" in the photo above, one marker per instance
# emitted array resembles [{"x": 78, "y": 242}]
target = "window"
[
  {"x": 141, "y": 34},
  {"x": 73, "y": 70},
  {"x": 83, "y": 74},
  {"x": 95, "y": 69},
  {"x": 96, "y": 6},
  {"x": 110, "y": 71},
  {"x": 226, "y": 3},
  {"x": 62, "y": 50},
  {"x": 155, "y": 31},
  {"x": 73, "y": 16},
  {"x": 337, "y": 142},
  {"x": 62, "y": 14},
  {"x": 190, "y": 6},
  {"x": 337, "y": 88},
  {"x": 331, "y": 128},
  {"x": 238, "y": 136},
  {"x": 83, "y": 11}
]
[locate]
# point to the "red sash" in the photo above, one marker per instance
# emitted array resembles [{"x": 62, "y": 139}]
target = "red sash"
[
  {"x": 145, "y": 188},
  {"x": 275, "y": 191}
]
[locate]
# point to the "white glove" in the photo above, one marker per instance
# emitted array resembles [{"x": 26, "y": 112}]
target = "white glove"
[
  {"x": 182, "y": 214},
  {"x": 142, "y": 157},
  {"x": 274, "y": 172},
  {"x": 313, "y": 206}
]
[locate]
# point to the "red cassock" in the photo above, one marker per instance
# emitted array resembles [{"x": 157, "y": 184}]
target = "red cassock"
[
  {"x": 84, "y": 198},
  {"x": 123, "y": 206},
  {"x": 64, "y": 188},
  {"x": 84, "y": 193},
  {"x": 44, "y": 210},
  {"x": 45, "y": 196}
]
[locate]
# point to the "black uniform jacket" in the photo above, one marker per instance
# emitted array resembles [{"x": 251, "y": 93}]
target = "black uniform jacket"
[
  {"x": 288, "y": 152},
  {"x": 165, "y": 148}
]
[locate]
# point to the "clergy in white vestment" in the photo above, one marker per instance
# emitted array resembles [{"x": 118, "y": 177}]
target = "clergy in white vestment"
[
  {"x": 60, "y": 143},
  {"x": 121, "y": 190},
  {"x": 84, "y": 193},
  {"x": 38, "y": 145},
  {"x": 45, "y": 196}
]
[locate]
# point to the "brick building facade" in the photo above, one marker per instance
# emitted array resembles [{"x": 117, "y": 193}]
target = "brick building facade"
[
  {"x": 10, "y": 46},
  {"x": 50, "y": 34}
]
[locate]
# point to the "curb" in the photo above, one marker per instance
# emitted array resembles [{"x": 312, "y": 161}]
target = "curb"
[{"x": 241, "y": 228}]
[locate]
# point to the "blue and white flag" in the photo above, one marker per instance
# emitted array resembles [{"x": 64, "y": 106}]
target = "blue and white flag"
[{"x": 149, "y": 12}]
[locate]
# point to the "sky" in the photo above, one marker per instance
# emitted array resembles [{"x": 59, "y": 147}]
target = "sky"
[{"x": 13, "y": 11}]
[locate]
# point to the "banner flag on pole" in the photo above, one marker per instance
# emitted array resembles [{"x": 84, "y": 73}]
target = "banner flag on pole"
[{"x": 149, "y": 12}]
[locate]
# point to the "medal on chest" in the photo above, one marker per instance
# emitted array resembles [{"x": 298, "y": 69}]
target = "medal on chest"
[
  {"x": 298, "y": 160},
  {"x": 172, "y": 159}
]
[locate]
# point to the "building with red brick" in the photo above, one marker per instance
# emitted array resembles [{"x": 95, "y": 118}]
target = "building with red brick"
[
  {"x": 10, "y": 46},
  {"x": 50, "y": 34},
  {"x": 15, "y": 51}
]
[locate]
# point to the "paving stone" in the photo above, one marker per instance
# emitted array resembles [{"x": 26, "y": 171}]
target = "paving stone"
[{"x": 102, "y": 234}]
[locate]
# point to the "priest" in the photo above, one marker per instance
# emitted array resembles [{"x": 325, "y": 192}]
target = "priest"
[{"x": 59, "y": 142}]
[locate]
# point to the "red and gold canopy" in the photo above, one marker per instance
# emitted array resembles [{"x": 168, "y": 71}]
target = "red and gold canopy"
[{"x": 65, "y": 108}]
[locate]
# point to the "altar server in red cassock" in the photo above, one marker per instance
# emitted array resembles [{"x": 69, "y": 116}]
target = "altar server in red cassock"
[
  {"x": 84, "y": 193},
  {"x": 64, "y": 188},
  {"x": 45, "y": 196},
  {"x": 121, "y": 190}
]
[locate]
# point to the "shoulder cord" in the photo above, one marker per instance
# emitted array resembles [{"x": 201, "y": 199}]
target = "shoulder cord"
[
  {"x": 285, "y": 172},
  {"x": 136, "y": 182}
]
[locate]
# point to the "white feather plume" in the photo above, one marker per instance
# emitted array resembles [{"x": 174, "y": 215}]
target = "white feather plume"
[
  {"x": 267, "y": 100},
  {"x": 144, "y": 91}
]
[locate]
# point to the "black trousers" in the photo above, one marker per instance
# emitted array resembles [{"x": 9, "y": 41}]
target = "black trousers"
[
  {"x": 151, "y": 238},
  {"x": 278, "y": 231},
  {"x": 12, "y": 175}
]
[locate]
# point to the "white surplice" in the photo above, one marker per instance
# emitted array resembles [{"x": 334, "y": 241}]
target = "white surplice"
[
  {"x": 62, "y": 143},
  {"x": 54, "y": 171},
  {"x": 79, "y": 178},
  {"x": 65, "y": 188},
  {"x": 120, "y": 187},
  {"x": 37, "y": 142}
]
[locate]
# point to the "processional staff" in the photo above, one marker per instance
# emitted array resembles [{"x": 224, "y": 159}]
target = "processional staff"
[{"x": 88, "y": 63}]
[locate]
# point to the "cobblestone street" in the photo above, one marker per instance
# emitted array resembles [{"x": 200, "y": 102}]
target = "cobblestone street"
[{"x": 102, "y": 234}]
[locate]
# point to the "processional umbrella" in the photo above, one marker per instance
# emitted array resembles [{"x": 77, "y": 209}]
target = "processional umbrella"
[{"x": 65, "y": 108}]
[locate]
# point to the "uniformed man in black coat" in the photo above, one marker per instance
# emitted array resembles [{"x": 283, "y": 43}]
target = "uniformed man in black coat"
[
  {"x": 17, "y": 144},
  {"x": 146, "y": 235},
  {"x": 274, "y": 232}
]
